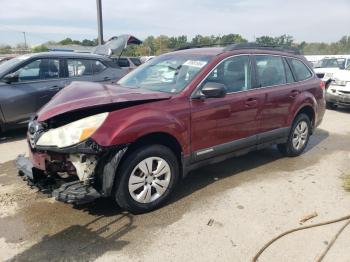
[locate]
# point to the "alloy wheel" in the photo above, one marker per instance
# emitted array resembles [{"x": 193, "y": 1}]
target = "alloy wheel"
[
  {"x": 300, "y": 135},
  {"x": 149, "y": 179}
]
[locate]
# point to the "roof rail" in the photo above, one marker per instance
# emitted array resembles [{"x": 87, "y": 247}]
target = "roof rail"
[
  {"x": 253, "y": 45},
  {"x": 204, "y": 45}
]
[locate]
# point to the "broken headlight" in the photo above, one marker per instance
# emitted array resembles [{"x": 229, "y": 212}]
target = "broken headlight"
[{"x": 72, "y": 133}]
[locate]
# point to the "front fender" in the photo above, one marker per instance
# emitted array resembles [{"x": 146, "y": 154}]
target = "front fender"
[{"x": 127, "y": 125}]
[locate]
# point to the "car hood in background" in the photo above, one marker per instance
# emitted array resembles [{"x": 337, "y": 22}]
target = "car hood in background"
[
  {"x": 116, "y": 44},
  {"x": 322, "y": 70},
  {"x": 343, "y": 75},
  {"x": 85, "y": 95}
]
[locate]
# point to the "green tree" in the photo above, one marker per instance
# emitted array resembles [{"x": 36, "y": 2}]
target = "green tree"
[
  {"x": 232, "y": 38},
  {"x": 40, "y": 48},
  {"x": 66, "y": 41},
  {"x": 5, "y": 49}
]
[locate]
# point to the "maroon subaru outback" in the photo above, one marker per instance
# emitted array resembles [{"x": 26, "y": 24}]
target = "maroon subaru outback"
[{"x": 179, "y": 111}]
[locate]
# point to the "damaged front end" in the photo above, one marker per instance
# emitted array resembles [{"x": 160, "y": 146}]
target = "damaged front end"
[{"x": 76, "y": 174}]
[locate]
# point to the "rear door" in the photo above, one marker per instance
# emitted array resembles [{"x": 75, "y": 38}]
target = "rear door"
[
  {"x": 94, "y": 70},
  {"x": 276, "y": 83},
  {"x": 37, "y": 81},
  {"x": 222, "y": 125}
]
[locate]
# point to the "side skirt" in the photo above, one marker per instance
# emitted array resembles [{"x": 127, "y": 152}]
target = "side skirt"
[{"x": 235, "y": 148}]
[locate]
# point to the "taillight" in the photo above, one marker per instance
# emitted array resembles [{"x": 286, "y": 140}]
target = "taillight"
[
  {"x": 323, "y": 87},
  {"x": 322, "y": 84}
]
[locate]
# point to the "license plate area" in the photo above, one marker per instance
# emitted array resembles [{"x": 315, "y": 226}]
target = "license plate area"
[{"x": 38, "y": 160}]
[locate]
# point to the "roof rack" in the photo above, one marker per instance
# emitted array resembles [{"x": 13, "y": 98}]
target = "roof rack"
[
  {"x": 263, "y": 47},
  {"x": 230, "y": 46},
  {"x": 204, "y": 45}
]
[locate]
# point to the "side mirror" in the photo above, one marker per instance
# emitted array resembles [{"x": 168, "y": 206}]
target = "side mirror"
[
  {"x": 214, "y": 90},
  {"x": 10, "y": 78}
]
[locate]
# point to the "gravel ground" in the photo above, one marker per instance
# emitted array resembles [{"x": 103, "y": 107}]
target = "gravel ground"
[{"x": 223, "y": 212}]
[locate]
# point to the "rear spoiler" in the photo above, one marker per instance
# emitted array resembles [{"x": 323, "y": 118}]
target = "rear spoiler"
[{"x": 116, "y": 45}]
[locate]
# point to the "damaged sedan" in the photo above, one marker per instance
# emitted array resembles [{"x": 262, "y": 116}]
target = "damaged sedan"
[{"x": 134, "y": 141}]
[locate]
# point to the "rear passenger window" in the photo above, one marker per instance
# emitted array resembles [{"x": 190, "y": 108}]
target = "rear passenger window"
[
  {"x": 290, "y": 78},
  {"x": 300, "y": 69},
  {"x": 79, "y": 67},
  {"x": 270, "y": 70},
  {"x": 234, "y": 73}
]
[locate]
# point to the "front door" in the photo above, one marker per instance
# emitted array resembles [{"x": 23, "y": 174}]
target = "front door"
[
  {"x": 222, "y": 125},
  {"x": 35, "y": 84}
]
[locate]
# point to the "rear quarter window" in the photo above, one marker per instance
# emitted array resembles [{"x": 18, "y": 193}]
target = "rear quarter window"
[{"x": 301, "y": 71}]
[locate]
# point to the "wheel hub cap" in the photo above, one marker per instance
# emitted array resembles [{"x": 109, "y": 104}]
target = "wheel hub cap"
[
  {"x": 300, "y": 135},
  {"x": 149, "y": 180}
]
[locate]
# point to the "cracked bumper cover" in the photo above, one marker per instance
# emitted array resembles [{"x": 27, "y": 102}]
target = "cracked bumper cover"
[
  {"x": 75, "y": 192},
  {"x": 35, "y": 173}
]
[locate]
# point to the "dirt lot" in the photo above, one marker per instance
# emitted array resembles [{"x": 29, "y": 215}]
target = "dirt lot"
[{"x": 249, "y": 199}]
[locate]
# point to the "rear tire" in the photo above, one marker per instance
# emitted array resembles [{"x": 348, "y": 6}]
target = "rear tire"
[
  {"x": 146, "y": 178},
  {"x": 298, "y": 137}
]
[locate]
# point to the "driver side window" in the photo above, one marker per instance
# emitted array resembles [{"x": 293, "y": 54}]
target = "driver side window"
[
  {"x": 234, "y": 73},
  {"x": 39, "y": 69}
]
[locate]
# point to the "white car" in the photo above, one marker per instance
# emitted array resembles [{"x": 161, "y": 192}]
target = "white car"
[
  {"x": 338, "y": 92},
  {"x": 328, "y": 66}
]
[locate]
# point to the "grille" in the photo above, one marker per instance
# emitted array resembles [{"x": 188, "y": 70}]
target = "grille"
[
  {"x": 320, "y": 75},
  {"x": 344, "y": 92}
]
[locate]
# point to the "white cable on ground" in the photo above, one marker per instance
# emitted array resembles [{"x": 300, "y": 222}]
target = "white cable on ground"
[{"x": 258, "y": 254}]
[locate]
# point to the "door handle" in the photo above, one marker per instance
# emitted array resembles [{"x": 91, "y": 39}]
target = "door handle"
[
  {"x": 294, "y": 93},
  {"x": 107, "y": 78},
  {"x": 251, "y": 102}
]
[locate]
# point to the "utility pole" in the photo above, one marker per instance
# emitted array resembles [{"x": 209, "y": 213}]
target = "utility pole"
[
  {"x": 99, "y": 22},
  {"x": 25, "y": 40}
]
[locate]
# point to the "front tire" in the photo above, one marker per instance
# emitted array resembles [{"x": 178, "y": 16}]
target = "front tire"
[
  {"x": 146, "y": 178},
  {"x": 298, "y": 137}
]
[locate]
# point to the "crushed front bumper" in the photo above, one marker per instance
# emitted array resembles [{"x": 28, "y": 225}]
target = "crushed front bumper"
[
  {"x": 88, "y": 170},
  {"x": 75, "y": 192}
]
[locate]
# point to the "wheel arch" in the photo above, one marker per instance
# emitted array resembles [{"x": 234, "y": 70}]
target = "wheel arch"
[
  {"x": 162, "y": 138},
  {"x": 309, "y": 111},
  {"x": 109, "y": 167}
]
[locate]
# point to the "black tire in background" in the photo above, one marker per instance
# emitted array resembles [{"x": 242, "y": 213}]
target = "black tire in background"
[
  {"x": 288, "y": 149},
  {"x": 129, "y": 163},
  {"x": 331, "y": 105}
]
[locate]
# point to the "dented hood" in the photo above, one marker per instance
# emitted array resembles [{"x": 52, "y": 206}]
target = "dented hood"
[{"x": 85, "y": 95}]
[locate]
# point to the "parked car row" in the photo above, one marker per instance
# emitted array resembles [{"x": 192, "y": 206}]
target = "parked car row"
[
  {"x": 28, "y": 82},
  {"x": 133, "y": 141},
  {"x": 338, "y": 92},
  {"x": 326, "y": 67}
]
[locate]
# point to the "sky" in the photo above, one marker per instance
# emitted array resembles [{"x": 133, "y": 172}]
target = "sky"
[{"x": 44, "y": 20}]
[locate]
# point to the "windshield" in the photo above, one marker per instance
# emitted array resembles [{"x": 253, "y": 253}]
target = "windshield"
[
  {"x": 5, "y": 66},
  {"x": 167, "y": 73},
  {"x": 328, "y": 62}
]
